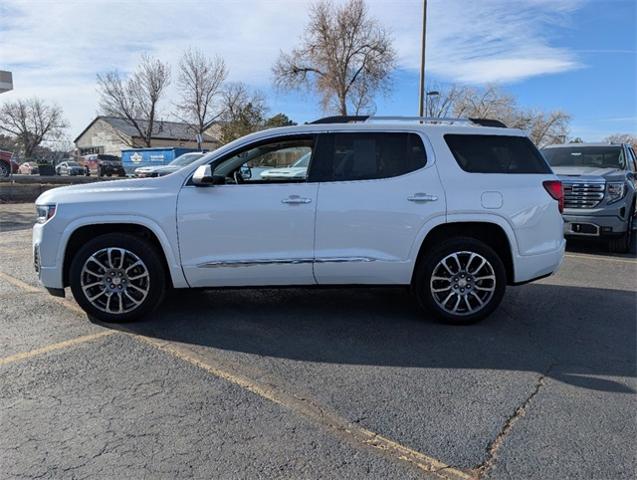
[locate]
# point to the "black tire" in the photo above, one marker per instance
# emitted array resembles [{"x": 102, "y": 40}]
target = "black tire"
[
  {"x": 138, "y": 247},
  {"x": 422, "y": 284},
  {"x": 5, "y": 170},
  {"x": 623, "y": 243}
]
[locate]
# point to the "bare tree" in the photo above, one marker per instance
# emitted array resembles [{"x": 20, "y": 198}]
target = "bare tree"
[
  {"x": 137, "y": 98},
  {"x": 622, "y": 138},
  {"x": 345, "y": 56},
  {"x": 544, "y": 128},
  {"x": 444, "y": 101},
  {"x": 200, "y": 81},
  {"x": 243, "y": 112},
  {"x": 32, "y": 122}
]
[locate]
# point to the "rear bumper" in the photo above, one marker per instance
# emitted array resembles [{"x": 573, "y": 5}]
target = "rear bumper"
[{"x": 532, "y": 267}]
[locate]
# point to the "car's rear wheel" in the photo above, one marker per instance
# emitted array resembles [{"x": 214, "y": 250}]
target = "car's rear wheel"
[
  {"x": 461, "y": 281},
  {"x": 117, "y": 277}
]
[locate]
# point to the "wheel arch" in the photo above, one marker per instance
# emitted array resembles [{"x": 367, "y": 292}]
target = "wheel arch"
[
  {"x": 488, "y": 231},
  {"x": 76, "y": 234}
]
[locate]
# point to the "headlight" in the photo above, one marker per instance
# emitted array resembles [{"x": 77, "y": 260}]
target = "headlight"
[
  {"x": 44, "y": 212},
  {"x": 616, "y": 191}
]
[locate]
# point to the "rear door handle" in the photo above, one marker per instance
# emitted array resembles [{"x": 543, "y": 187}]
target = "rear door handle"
[
  {"x": 295, "y": 199},
  {"x": 422, "y": 197}
]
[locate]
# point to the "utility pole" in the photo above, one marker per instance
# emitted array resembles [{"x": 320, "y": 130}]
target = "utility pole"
[{"x": 421, "y": 93}]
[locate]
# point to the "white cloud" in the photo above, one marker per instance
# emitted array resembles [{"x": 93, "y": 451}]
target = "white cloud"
[{"x": 55, "y": 48}]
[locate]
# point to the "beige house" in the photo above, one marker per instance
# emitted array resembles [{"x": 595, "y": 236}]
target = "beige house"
[{"x": 111, "y": 135}]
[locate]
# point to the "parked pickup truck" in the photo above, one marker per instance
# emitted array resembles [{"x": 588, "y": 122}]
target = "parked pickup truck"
[
  {"x": 599, "y": 190},
  {"x": 454, "y": 210}
]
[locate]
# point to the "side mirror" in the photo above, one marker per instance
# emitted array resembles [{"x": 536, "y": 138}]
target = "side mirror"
[
  {"x": 203, "y": 175},
  {"x": 246, "y": 172}
]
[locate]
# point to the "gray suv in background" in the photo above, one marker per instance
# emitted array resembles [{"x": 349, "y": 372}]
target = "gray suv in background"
[{"x": 599, "y": 190}]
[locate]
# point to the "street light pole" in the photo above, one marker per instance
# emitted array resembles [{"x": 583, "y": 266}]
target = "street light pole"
[{"x": 421, "y": 93}]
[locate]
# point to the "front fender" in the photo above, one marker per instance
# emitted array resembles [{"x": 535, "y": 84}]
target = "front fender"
[{"x": 170, "y": 254}]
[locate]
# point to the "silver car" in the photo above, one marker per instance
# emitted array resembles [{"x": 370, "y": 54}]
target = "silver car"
[{"x": 159, "y": 171}]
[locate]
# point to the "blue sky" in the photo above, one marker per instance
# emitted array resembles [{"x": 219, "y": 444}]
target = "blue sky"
[{"x": 574, "y": 55}]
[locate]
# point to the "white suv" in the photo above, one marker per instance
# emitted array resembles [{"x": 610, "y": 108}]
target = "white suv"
[{"x": 452, "y": 208}]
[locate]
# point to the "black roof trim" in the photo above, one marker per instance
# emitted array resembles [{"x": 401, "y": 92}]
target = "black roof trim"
[
  {"x": 488, "y": 122},
  {"x": 341, "y": 119}
]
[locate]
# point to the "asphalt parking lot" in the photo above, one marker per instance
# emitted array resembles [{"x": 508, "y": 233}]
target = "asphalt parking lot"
[{"x": 321, "y": 383}]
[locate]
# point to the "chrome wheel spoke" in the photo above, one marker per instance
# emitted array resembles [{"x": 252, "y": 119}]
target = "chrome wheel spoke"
[
  {"x": 139, "y": 262},
  {"x": 96, "y": 296},
  {"x": 137, "y": 277},
  {"x": 136, "y": 302},
  {"x": 95, "y": 260},
  {"x": 487, "y": 277},
  {"x": 484, "y": 289},
  {"x": 482, "y": 263},
  {"x": 459, "y": 299},
  {"x": 140, "y": 290},
  {"x": 477, "y": 297},
  {"x": 444, "y": 289}
]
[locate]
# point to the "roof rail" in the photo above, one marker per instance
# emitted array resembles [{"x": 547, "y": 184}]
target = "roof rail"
[
  {"x": 485, "y": 122},
  {"x": 399, "y": 118},
  {"x": 341, "y": 119}
]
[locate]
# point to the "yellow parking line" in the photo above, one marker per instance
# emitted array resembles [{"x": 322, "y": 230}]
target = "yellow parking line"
[
  {"x": 317, "y": 413},
  {"x": 603, "y": 259},
  {"x": 339, "y": 426},
  {"x": 19, "y": 283},
  {"x": 55, "y": 346},
  {"x": 31, "y": 289}
]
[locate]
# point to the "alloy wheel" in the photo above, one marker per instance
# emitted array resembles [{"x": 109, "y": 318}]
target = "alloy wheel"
[
  {"x": 463, "y": 283},
  {"x": 115, "y": 280}
]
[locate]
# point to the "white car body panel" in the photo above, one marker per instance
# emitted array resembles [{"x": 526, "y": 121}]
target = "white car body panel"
[
  {"x": 363, "y": 232},
  {"x": 371, "y": 226},
  {"x": 233, "y": 235}
]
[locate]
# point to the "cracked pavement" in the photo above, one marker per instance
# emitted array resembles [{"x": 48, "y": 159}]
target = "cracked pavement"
[{"x": 545, "y": 388}]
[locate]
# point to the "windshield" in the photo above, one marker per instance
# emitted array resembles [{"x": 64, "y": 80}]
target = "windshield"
[
  {"x": 185, "y": 159},
  {"x": 582, "y": 156},
  {"x": 73, "y": 164}
]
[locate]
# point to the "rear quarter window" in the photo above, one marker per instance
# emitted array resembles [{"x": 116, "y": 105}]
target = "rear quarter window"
[{"x": 496, "y": 154}]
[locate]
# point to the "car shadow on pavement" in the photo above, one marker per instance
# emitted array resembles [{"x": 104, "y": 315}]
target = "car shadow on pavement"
[
  {"x": 575, "y": 335},
  {"x": 598, "y": 247}
]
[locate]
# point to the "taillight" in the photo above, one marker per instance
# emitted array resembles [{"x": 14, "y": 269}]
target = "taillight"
[{"x": 556, "y": 190}]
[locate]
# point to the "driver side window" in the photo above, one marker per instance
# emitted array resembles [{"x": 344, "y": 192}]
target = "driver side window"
[{"x": 276, "y": 161}]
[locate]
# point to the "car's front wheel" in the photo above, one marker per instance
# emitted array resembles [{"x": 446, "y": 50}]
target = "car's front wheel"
[
  {"x": 117, "y": 277},
  {"x": 624, "y": 242},
  {"x": 460, "y": 281}
]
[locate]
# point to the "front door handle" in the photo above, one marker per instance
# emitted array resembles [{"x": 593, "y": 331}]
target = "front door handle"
[
  {"x": 422, "y": 197},
  {"x": 296, "y": 199}
]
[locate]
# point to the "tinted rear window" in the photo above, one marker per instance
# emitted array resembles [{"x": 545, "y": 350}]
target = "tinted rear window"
[
  {"x": 585, "y": 156},
  {"x": 496, "y": 154},
  {"x": 367, "y": 156}
]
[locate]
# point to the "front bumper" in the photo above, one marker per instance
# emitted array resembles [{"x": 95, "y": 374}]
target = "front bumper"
[
  {"x": 45, "y": 256},
  {"x": 593, "y": 225}
]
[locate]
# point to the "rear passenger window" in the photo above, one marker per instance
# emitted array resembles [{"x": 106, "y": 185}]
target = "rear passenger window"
[
  {"x": 496, "y": 154},
  {"x": 367, "y": 156}
]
